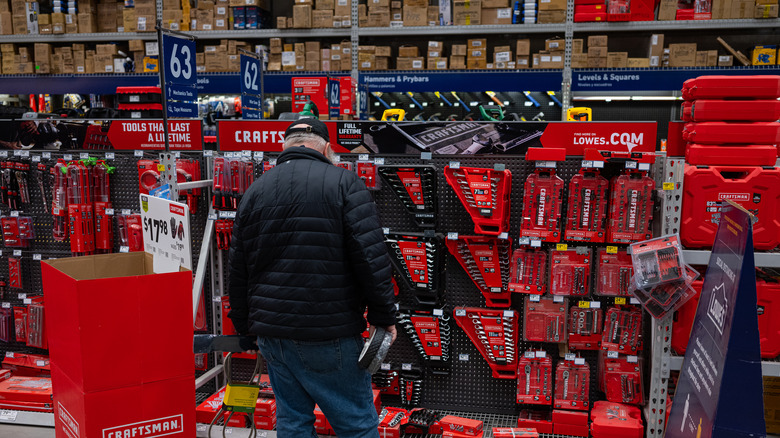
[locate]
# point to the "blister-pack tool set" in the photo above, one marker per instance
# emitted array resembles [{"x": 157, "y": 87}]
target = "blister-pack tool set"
[
  {"x": 417, "y": 257},
  {"x": 631, "y": 207},
  {"x": 570, "y": 271},
  {"x": 614, "y": 272},
  {"x": 585, "y": 326},
  {"x": 529, "y": 271},
  {"x": 572, "y": 385},
  {"x": 486, "y": 259},
  {"x": 621, "y": 379},
  {"x": 587, "y": 207},
  {"x": 232, "y": 178},
  {"x": 545, "y": 319},
  {"x": 542, "y": 202},
  {"x": 622, "y": 330},
  {"x": 430, "y": 334},
  {"x": 415, "y": 186},
  {"x": 534, "y": 378},
  {"x": 486, "y": 195}
]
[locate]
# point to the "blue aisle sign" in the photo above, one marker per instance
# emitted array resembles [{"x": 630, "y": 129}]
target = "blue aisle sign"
[
  {"x": 662, "y": 79},
  {"x": 465, "y": 81},
  {"x": 180, "y": 76},
  {"x": 250, "y": 76},
  {"x": 720, "y": 391},
  {"x": 334, "y": 97}
]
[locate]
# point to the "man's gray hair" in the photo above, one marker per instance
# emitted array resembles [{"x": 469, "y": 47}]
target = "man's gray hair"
[{"x": 311, "y": 140}]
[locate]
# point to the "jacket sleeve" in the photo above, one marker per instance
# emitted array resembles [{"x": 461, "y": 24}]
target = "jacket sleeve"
[
  {"x": 239, "y": 302},
  {"x": 367, "y": 253}
]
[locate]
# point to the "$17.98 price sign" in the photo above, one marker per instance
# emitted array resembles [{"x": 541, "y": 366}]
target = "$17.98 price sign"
[{"x": 166, "y": 231}]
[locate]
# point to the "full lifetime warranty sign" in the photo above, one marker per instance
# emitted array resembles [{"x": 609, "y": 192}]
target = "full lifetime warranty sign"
[{"x": 166, "y": 227}]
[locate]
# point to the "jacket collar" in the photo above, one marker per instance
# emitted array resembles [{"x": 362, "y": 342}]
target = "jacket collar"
[{"x": 299, "y": 152}]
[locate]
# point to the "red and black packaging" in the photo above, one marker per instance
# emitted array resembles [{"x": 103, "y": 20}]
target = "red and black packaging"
[
  {"x": 622, "y": 330},
  {"x": 515, "y": 432},
  {"x": 541, "y": 420},
  {"x": 529, "y": 271},
  {"x": 390, "y": 421},
  {"x": 36, "y": 328},
  {"x": 416, "y": 187},
  {"x": 80, "y": 210},
  {"x": 453, "y": 426},
  {"x": 188, "y": 171},
  {"x": 486, "y": 260},
  {"x": 658, "y": 261},
  {"x": 570, "y": 272},
  {"x": 732, "y": 132},
  {"x": 534, "y": 379},
  {"x": 631, "y": 207},
  {"x": 148, "y": 175},
  {"x": 386, "y": 381},
  {"x": 410, "y": 382},
  {"x": 104, "y": 226},
  {"x": 731, "y": 155},
  {"x": 59, "y": 204},
  {"x": 570, "y": 423},
  {"x": 622, "y": 380},
  {"x": 223, "y": 229},
  {"x": 422, "y": 421},
  {"x": 418, "y": 259},
  {"x": 615, "y": 420},
  {"x": 6, "y": 325},
  {"x": 15, "y": 272},
  {"x": 585, "y": 327},
  {"x": 705, "y": 191},
  {"x": 542, "y": 204},
  {"x": 572, "y": 385},
  {"x": 430, "y": 335},
  {"x": 494, "y": 333},
  {"x": 344, "y": 165},
  {"x": 366, "y": 171},
  {"x": 545, "y": 320},
  {"x": 587, "y": 207},
  {"x": 485, "y": 193},
  {"x": 17, "y": 231},
  {"x": 130, "y": 231},
  {"x": 614, "y": 273},
  {"x": 719, "y": 110},
  {"x": 20, "y": 323}
]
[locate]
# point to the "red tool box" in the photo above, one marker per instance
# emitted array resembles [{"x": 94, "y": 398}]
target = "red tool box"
[
  {"x": 572, "y": 386},
  {"x": 487, "y": 261},
  {"x": 26, "y": 389},
  {"x": 390, "y": 421},
  {"x": 545, "y": 319},
  {"x": 590, "y": 9},
  {"x": 542, "y": 203},
  {"x": 485, "y": 193},
  {"x": 570, "y": 272},
  {"x": 732, "y": 87},
  {"x": 731, "y": 110},
  {"x": 459, "y": 426},
  {"x": 585, "y": 17},
  {"x": 515, "y": 432},
  {"x": 615, "y": 269},
  {"x": 570, "y": 423},
  {"x": 615, "y": 420},
  {"x": 707, "y": 188},
  {"x": 731, "y": 155},
  {"x": 587, "y": 207},
  {"x": 494, "y": 333},
  {"x": 631, "y": 207},
  {"x": 416, "y": 187},
  {"x": 529, "y": 271},
  {"x": 534, "y": 379},
  {"x": 732, "y": 132},
  {"x": 622, "y": 380},
  {"x": 536, "y": 419}
]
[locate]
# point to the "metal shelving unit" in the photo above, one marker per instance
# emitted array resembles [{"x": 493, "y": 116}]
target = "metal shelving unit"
[{"x": 485, "y": 29}]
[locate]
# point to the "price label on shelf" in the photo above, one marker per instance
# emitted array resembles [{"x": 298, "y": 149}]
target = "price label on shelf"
[
  {"x": 17, "y": 253},
  {"x": 363, "y": 157},
  {"x": 463, "y": 357},
  {"x": 124, "y": 249},
  {"x": 561, "y": 247},
  {"x": 579, "y": 361},
  {"x": 595, "y": 304},
  {"x": 27, "y": 301},
  {"x": 644, "y": 166},
  {"x": 535, "y": 298},
  {"x": 9, "y": 416},
  {"x": 530, "y": 355},
  {"x": 84, "y": 155},
  {"x": 3, "y": 154},
  {"x": 109, "y": 212},
  {"x": 6, "y": 305},
  {"x": 612, "y": 354},
  {"x": 385, "y": 366},
  {"x": 438, "y": 312},
  {"x": 14, "y": 213},
  {"x": 584, "y": 304},
  {"x": 620, "y": 300},
  {"x": 37, "y": 257},
  {"x": 109, "y": 155},
  {"x": 631, "y": 164},
  {"x": 426, "y": 156},
  {"x": 547, "y": 164},
  {"x": 46, "y": 155},
  {"x": 126, "y": 211},
  {"x": 9, "y": 354},
  {"x": 632, "y": 359},
  {"x": 668, "y": 186},
  {"x": 570, "y": 356},
  {"x": 634, "y": 301},
  {"x": 406, "y": 366},
  {"x": 379, "y": 161},
  {"x": 509, "y": 314},
  {"x": 40, "y": 363},
  {"x": 460, "y": 312},
  {"x": 536, "y": 243},
  {"x": 503, "y": 236},
  {"x": 138, "y": 153},
  {"x": 36, "y": 158},
  {"x": 541, "y": 354},
  {"x": 21, "y": 296},
  {"x": 208, "y": 153},
  {"x": 557, "y": 299},
  {"x": 612, "y": 250},
  {"x": 452, "y": 236},
  {"x": 454, "y": 164}
]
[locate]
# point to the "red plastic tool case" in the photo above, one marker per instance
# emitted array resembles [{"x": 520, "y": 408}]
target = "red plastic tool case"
[
  {"x": 587, "y": 207},
  {"x": 485, "y": 193},
  {"x": 732, "y": 132},
  {"x": 615, "y": 420},
  {"x": 707, "y": 188},
  {"x": 529, "y": 271},
  {"x": 631, "y": 208},
  {"x": 585, "y": 17},
  {"x": 719, "y": 87},
  {"x": 731, "y": 155},
  {"x": 542, "y": 203},
  {"x": 487, "y": 261},
  {"x": 731, "y": 110}
]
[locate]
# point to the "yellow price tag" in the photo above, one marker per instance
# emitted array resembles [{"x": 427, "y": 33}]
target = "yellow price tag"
[
  {"x": 241, "y": 396},
  {"x": 620, "y": 300},
  {"x": 584, "y": 304},
  {"x": 161, "y": 167},
  {"x": 561, "y": 247},
  {"x": 668, "y": 186},
  {"x": 612, "y": 250}
]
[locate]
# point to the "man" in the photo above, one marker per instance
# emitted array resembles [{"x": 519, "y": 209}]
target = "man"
[{"x": 306, "y": 259}]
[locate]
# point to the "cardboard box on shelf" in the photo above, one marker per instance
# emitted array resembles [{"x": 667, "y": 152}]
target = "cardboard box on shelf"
[
  {"x": 552, "y": 5},
  {"x": 577, "y": 45},
  {"x": 597, "y": 41},
  {"x": 617, "y": 59},
  {"x": 6, "y": 23},
  {"x": 312, "y": 56},
  {"x": 19, "y": 24},
  {"x": 523, "y": 47},
  {"x": 597, "y": 52},
  {"x": 579, "y": 60},
  {"x": 554, "y": 44},
  {"x": 321, "y": 19},
  {"x": 535, "y": 60},
  {"x": 701, "y": 58},
  {"x": 412, "y": 2},
  {"x": 496, "y": 16},
  {"x": 766, "y": 11},
  {"x": 366, "y": 61},
  {"x": 457, "y": 62},
  {"x": 415, "y": 15},
  {"x": 764, "y": 55},
  {"x": 682, "y": 55},
  {"x": 437, "y": 63},
  {"x": 597, "y": 62},
  {"x": 725, "y": 61},
  {"x": 383, "y": 51},
  {"x": 476, "y": 63},
  {"x": 552, "y": 60},
  {"x": 521, "y": 62},
  {"x": 343, "y": 7},
  {"x": 311, "y": 65},
  {"x": 408, "y": 51},
  {"x": 301, "y": 17},
  {"x": 378, "y": 18},
  {"x": 45, "y": 29},
  {"x": 742, "y": 9},
  {"x": 638, "y": 62},
  {"x": 716, "y": 9},
  {"x": 275, "y": 45},
  {"x": 503, "y": 55},
  {"x": 44, "y": 19},
  {"x": 281, "y": 22},
  {"x": 145, "y": 7},
  {"x": 553, "y": 16},
  {"x": 204, "y": 19},
  {"x": 411, "y": 63},
  {"x": 380, "y": 3},
  {"x": 129, "y": 20},
  {"x": 477, "y": 54},
  {"x": 382, "y": 63},
  {"x": 325, "y": 5},
  {"x": 712, "y": 58},
  {"x": 667, "y": 10},
  {"x": 480, "y": 43},
  {"x": 466, "y": 12}
]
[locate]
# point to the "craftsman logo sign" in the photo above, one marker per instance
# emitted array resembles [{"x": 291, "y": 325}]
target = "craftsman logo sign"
[
  {"x": 71, "y": 426},
  {"x": 734, "y": 196},
  {"x": 148, "y": 429},
  {"x": 260, "y": 135},
  {"x": 149, "y": 134},
  {"x": 166, "y": 231},
  {"x": 177, "y": 209}
]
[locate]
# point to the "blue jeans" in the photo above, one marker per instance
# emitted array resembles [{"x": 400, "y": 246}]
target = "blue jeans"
[{"x": 303, "y": 373}]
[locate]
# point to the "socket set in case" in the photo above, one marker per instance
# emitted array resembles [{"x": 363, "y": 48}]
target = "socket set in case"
[
  {"x": 542, "y": 204},
  {"x": 529, "y": 271},
  {"x": 631, "y": 207},
  {"x": 622, "y": 330},
  {"x": 622, "y": 380},
  {"x": 545, "y": 320},
  {"x": 494, "y": 333},
  {"x": 487, "y": 261},
  {"x": 615, "y": 270},
  {"x": 585, "y": 327},
  {"x": 534, "y": 379},
  {"x": 485, "y": 193},
  {"x": 587, "y": 207},
  {"x": 572, "y": 385},
  {"x": 570, "y": 272}
]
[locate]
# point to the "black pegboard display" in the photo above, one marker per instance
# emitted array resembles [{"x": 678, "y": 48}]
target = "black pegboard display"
[
  {"x": 470, "y": 386},
  {"x": 124, "y": 195}
]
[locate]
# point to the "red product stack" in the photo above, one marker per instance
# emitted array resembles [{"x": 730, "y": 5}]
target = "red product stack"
[
  {"x": 589, "y": 10},
  {"x": 615, "y": 420},
  {"x": 732, "y": 137}
]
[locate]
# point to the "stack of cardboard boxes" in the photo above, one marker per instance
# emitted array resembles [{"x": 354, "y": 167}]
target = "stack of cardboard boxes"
[
  {"x": 409, "y": 58},
  {"x": 476, "y": 55},
  {"x": 552, "y": 55},
  {"x": 551, "y": 11},
  {"x": 313, "y": 56},
  {"x": 597, "y": 51},
  {"x": 15, "y": 63},
  {"x": 436, "y": 60},
  {"x": 374, "y": 58}
]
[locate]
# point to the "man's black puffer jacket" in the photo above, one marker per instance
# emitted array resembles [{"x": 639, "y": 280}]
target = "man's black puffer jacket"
[{"x": 308, "y": 254}]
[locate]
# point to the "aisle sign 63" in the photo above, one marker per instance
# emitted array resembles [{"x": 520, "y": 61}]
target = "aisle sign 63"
[{"x": 179, "y": 60}]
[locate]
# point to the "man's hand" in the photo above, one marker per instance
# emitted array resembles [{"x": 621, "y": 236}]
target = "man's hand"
[{"x": 391, "y": 329}]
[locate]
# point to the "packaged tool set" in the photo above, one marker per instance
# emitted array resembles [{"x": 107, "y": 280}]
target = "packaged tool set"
[
  {"x": 622, "y": 330},
  {"x": 538, "y": 419},
  {"x": 572, "y": 423},
  {"x": 544, "y": 319},
  {"x": 386, "y": 381},
  {"x": 415, "y": 186},
  {"x": 732, "y": 132},
  {"x": 430, "y": 334},
  {"x": 587, "y": 207},
  {"x": 622, "y": 380},
  {"x": 14, "y": 188},
  {"x": 418, "y": 258},
  {"x": 731, "y": 87},
  {"x": 232, "y": 178},
  {"x": 731, "y": 155},
  {"x": 130, "y": 232},
  {"x": 487, "y": 261},
  {"x": 716, "y": 110},
  {"x": 614, "y": 271},
  {"x": 529, "y": 271},
  {"x": 585, "y": 326},
  {"x": 15, "y": 272},
  {"x": 457, "y": 427},
  {"x": 534, "y": 378},
  {"x": 572, "y": 385},
  {"x": 18, "y": 231},
  {"x": 422, "y": 421},
  {"x": 367, "y": 172},
  {"x": 390, "y": 421},
  {"x": 494, "y": 333},
  {"x": 542, "y": 203},
  {"x": 615, "y": 420},
  {"x": 631, "y": 207},
  {"x": 515, "y": 432},
  {"x": 485, "y": 193},
  {"x": 570, "y": 271},
  {"x": 410, "y": 382}
]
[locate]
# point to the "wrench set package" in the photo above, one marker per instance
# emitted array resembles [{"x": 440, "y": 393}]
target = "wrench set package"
[
  {"x": 232, "y": 178},
  {"x": 36, "y": 329},
  {"x": 386, "y": 382},
  {"x": 622, "y": 380},
  {"x": 430, "y": 335},
  {"x": 494, "y": 333},
  {"x": 14, "y": 190},
  {"x": 534, "y": 379},
  {"x": 390, "y": 421},
  {"x": 631, "y": 207},
  {"x": 545, "y": 320},
  {"x": 614, "y": 272},
  {"x": 529, "y": 271},
  {"x": 366, "y": 171},
  {"x": 570, "y": 272},
  {"x": 485, "y": 193},
  {"x": 410, "y": 382},
  {"x": 572, "y": 385},
  {"x": 487, "y": 261},
  {"x": 542, "y": 204},
  {"x": 585, "y": 327},
  {"x": 15, "y": 272},
  {"x": 587, "y": 207},
  {"x": 418, "y": 258},
  {"x": 17, "y": 231},
  {"x": 422, "y": 421},
  {"x": 622, "y": 330},
  {"x": 415, "y": 186}
]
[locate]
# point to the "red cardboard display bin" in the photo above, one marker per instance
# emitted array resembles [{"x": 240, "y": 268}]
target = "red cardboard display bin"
[{"x": 120, "y": 344}]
